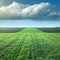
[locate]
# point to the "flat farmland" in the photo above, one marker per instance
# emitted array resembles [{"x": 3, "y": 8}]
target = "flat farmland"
[{"x": 30, "y": 44}]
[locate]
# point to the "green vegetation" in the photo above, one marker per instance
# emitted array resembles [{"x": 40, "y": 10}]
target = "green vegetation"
[{"x": 30, "y": 44}]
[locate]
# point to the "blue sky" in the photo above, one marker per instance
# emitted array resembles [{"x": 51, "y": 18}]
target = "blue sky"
[
  {"x": 54, "y": 2},
  {"x": 29, "y": 23},
  {"x": 33, "y": 13}
]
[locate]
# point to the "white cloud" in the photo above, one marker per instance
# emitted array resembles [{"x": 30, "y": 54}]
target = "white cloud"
[
  {"x": 54, "y": 15},
  {"x": 21, "y": 11}
]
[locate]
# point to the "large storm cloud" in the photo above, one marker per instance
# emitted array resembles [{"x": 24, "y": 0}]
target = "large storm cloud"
[{"x": 40, "y": 11}]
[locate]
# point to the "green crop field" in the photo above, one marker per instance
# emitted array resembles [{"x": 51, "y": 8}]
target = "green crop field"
[{"x": 30, "y": 44}]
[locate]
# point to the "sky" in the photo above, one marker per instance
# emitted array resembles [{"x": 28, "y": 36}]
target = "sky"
[
  {"x": 29, "y": 11},
  {"x": 29, "y": 23},
  {"x": 7, "y": 2}
]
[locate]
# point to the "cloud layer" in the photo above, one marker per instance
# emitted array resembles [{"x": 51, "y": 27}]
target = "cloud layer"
[{"x": 21, "y": 11}]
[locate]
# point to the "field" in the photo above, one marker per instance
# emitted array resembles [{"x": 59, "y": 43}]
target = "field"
[{"x": 30, "y": 44}]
